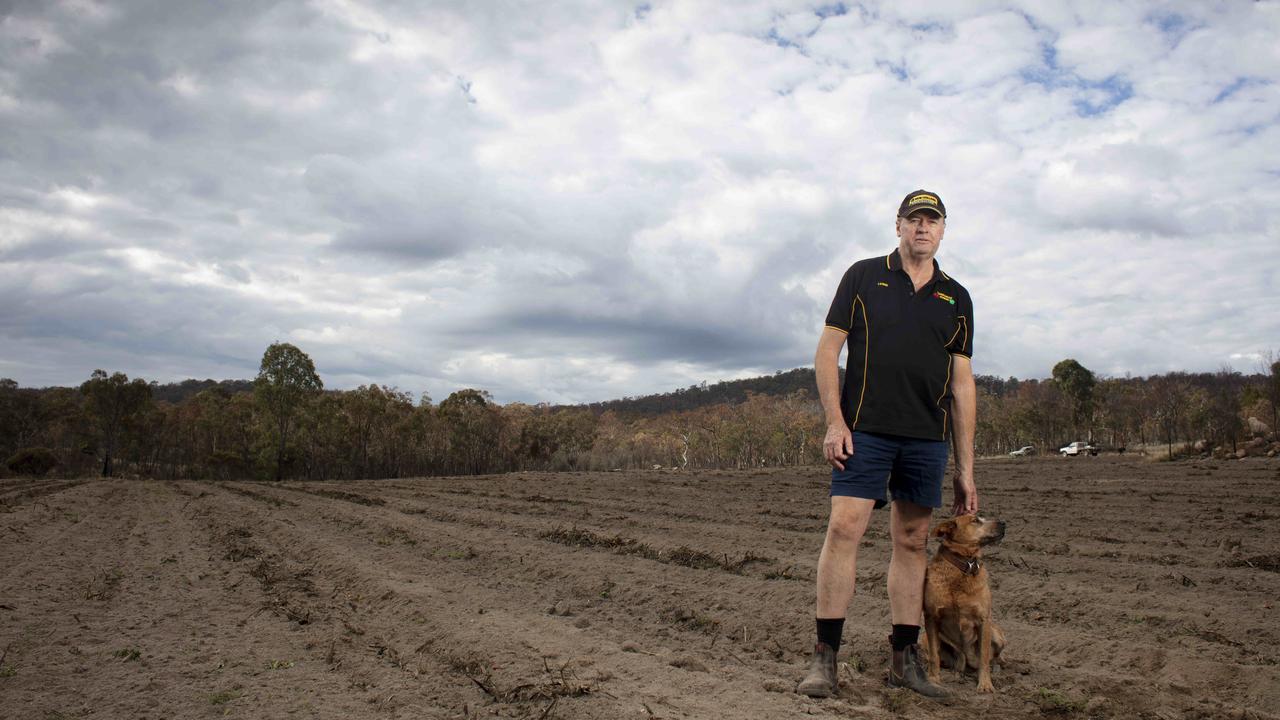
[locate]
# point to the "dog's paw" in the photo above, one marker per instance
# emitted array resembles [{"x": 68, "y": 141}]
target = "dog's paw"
[{"x": 985, "y": 686}]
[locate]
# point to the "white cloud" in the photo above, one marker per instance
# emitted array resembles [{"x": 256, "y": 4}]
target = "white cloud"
[{"x": 578, "y": 201}]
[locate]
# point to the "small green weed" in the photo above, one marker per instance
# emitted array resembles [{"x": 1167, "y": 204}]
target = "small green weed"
[
  {"x": 128, "y": 654},
  {"x": 224, "y": 697},
  {"x": 7, "y": 671},
  {"x": 607, "y": 588},
  {"x": 280, "y": 665},
  {"x": 1054, "y": 702},
  {"x": 897, "y": 700}
]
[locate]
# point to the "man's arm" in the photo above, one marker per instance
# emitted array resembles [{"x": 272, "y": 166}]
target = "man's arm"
[
  {"x": 964, "y": 416},
  {"x": 838, "y": 444}
]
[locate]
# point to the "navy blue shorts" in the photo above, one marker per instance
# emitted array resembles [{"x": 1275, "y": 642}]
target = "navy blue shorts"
[{"x": 911, "y": 468}]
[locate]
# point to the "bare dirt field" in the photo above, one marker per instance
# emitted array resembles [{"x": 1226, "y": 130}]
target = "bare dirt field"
[{"x": 1128, "y": 589}]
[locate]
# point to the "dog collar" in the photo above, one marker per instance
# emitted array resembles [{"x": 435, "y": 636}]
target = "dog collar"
[{"x": 968, "y": 566}]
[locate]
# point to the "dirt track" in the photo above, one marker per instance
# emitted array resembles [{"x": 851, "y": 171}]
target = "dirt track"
[{"x": 1127, "y": 589}]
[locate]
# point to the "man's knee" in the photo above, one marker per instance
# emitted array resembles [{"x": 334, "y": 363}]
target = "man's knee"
[
  {"x": 909, "y": 529},
  {"x": 846, "y": 526},
  {"x": 911, "y": 543},
  {"x": 912, "y": 538}
]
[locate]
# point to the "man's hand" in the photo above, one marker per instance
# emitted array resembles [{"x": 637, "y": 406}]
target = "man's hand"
[
  {"x": 838, "y": 445},
  {"x": 966, "y": 494}
]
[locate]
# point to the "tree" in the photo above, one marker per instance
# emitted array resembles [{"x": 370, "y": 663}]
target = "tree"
[
  {"x": 286, "y": 379},
  {"x": 112, "y": 402},
  {"x": 1077, "y": 383},
  {"x": 474, "y": 429},
  {"x": 374, "y": 414},
  {"x": 36, "y": 462},
  {"x": 1171, "y": 397},
  {"x": 1222, "y": 413},
  {"x": 1271, "y": 389},
  {"x": 17, "y": 417}
]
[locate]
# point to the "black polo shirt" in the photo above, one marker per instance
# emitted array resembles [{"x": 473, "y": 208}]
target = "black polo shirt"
[{"x": 897, "y": 378}]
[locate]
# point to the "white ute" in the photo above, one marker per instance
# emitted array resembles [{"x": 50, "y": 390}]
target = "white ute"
[{"x": 1078, "y": 448}]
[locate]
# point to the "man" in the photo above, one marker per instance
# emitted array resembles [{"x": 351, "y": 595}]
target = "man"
[{"x": 908, "y": 388}]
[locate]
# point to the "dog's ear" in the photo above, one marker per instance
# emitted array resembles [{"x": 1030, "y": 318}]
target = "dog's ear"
[{"x": 945, "y": 529}]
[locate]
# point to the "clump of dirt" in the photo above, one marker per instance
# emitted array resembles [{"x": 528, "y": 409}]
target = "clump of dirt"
[
  {"x": 684, "y": 662},
  {"x": 681, "y": 555},
  {"x": 546, "y": 499},
  {"x": 576, "y": 537},
  {"x": 691, "y": 620},
  {"x": 347, "y": 497},
  {"x": 105, "y": 585},
  {"x": 237, "y": 544},
  {"x": 278, "y": 502},
  {"x": 554, "y": 686},
  {"x": 1270, "y": 563}
]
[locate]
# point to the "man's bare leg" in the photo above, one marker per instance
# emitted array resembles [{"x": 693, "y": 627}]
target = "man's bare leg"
[
  {"x": 837, "y": 567},
  {"x": 909, "y": 531},
  {"x": 837, "y": 564}
]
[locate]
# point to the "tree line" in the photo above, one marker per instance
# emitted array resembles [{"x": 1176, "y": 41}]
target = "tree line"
[{"x": 286, "y": 425}]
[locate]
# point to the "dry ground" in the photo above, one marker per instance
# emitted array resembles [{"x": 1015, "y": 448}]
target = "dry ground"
[{"x": 1128, "y": 589}]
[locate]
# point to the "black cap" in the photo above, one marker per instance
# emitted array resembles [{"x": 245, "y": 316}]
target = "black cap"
[{"x": 922, "y": 200}]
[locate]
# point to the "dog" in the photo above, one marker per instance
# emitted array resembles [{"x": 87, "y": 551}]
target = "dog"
[{"x": 957, "y": 600}]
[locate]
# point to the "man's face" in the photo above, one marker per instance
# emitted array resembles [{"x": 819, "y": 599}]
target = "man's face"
[{"x": 920, "y": 233}]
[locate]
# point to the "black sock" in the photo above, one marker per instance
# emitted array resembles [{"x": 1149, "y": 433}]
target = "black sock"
[
  {"x": 829, "y": 632},
  {"x": 904, "y": 635}
]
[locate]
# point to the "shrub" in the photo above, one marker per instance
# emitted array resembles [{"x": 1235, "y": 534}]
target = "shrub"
[{"x": 35, "y": 461}]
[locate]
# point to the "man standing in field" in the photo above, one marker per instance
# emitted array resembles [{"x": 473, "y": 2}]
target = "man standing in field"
[{"x": 908, "y": 389}]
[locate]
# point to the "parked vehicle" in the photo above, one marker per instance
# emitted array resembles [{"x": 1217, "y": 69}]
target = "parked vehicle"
[
  {"x": 1024, "y": 451},
  {"x": 1078, "y": 448}
]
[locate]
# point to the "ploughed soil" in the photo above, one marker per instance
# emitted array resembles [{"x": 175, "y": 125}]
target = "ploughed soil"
[{"x": 1127, "y": 589}]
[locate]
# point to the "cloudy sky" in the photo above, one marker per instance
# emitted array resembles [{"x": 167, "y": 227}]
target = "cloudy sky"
[{"x": 575, "y": 201}]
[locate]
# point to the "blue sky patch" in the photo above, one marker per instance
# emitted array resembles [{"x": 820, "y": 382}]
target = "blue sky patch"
[
  {"x": 1116, "y": 90},
  {"x": 1239, "y": 84},
  {"x": 826, "y": 11}
]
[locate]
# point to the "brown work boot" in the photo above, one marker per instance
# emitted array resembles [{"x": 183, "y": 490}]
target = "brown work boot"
[
  {"x": 821, "y": 680},
  {"x": 906, "y": 671}
]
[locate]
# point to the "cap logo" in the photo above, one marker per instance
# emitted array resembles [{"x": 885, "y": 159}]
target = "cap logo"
[{"x": 922, "y": 199}]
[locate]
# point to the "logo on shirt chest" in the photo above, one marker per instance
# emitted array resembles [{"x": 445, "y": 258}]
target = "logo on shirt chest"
[{"x": 944, "y": 296}]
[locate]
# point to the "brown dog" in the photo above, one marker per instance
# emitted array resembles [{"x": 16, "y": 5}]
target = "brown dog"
[{"x": 957, "y": 600}]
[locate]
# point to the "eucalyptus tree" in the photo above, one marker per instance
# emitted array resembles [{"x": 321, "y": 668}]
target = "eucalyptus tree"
[
  {"x": 112, "y": 402},
  {"x": 1077, "y": 383},
  {"x": 286, "y": 380}
]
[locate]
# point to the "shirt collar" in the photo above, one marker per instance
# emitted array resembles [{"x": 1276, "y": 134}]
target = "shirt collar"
[{"x": 893, "y": 261}]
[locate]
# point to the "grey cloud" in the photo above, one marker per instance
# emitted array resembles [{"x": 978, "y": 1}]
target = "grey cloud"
[
  {"x": 234, "y": 272},
  {"x": 43, "y": 247},
  {"x": 630, "y": 339},
  {"x": 391, "y": 220}
]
